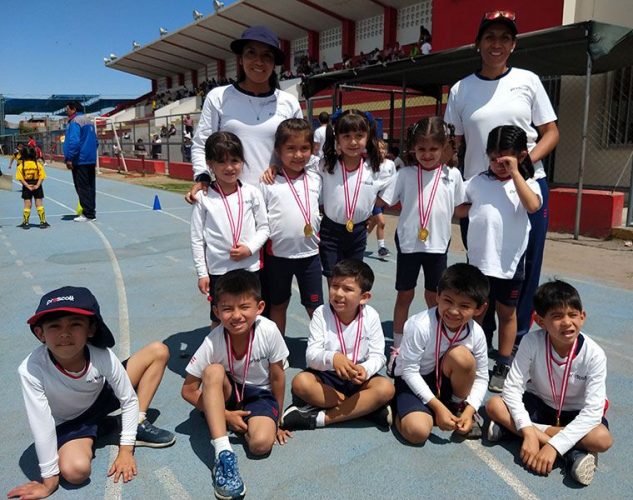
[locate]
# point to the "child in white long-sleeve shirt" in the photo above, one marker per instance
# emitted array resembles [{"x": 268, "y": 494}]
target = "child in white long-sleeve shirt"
[
  {"x": 555, "y": 394},
  {"x": 345, "y": 352}
]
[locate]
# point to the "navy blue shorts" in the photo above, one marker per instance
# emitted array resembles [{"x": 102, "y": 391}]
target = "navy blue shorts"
[
  {"x": 408, "y": 269},
  {"x": 541, "y": 413},
  {"x": 407, "y": 402},
  {"x": 279, "y": 271},
  {"x": 332, "y": 380},
  {"x": 505, "y": 292},
  {"x": 260, "y": 402},
  {"x": 213, "y": 278},
  {"x": 338, "y": 244},
  {"x": 378, "y": 210}
]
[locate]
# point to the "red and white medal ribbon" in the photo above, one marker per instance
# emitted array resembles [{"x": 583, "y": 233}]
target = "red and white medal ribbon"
[
  {"x": 305, "y": 211},
  {"x": 425, "y": 215},
  {"x": 359, "y": 332},
  {"x": 239, "y": 395},
  {"x": 236, "y": 227},
  {"x": 559, "y": 399},
  {"x": 439, "y": 331},
  {"x": 350, "y": 208}
]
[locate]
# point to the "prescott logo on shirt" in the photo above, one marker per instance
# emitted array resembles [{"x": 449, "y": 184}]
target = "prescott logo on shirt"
[{"x": 67, "y": 298}]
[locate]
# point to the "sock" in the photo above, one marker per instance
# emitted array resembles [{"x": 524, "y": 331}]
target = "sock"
[
  {"x": 26, "y": 213},
  {"x": 456, "y": 399},
  {"x": 397, "y": 340},
  {"x": 42, "y": 214},
  {"x": 320, "y": 419},
  {"x": 505, "y": 360},
  {"x": 381, "y": 243},
  {"x": 141, "y": 417},
  {"x": 221, "y": 444}
]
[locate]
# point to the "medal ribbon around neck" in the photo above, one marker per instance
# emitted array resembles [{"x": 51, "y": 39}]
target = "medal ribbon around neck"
[
  {"x": 439, "y": 331},
  {"x": 239, "y": 395},
  {"x": 425, "y": 215},
  {"x": 359, "y": 331},
  {"x": 305, "y": 211},
  {"x": 559, "y": 399},
  {"x": 236, "y": 228},
  {"x": 350, "y": 208}
]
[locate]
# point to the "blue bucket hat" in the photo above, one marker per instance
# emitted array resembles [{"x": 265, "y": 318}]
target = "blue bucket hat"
[
  {"x": 259, "y": 34},
  {"x": 74, "y": 300}
]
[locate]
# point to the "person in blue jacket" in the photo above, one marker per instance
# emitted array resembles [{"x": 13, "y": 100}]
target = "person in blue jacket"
[{"x": 80, "y": 155}]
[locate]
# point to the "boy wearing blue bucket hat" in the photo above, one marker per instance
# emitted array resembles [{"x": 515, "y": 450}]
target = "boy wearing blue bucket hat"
[{"x": 73, "y": 381}]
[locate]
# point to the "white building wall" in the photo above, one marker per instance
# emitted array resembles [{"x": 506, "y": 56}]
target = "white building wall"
[
  {"x": 330, "y": 42},
  {"x": 369, "y": 34},
  {"x": 410, "y": 19},
  {"x": 298, "y": 49}
]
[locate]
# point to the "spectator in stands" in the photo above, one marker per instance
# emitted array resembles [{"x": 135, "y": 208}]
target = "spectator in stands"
[
  {"x": 80, "y": 155},
  {"x": 188, "y": 123},
  {"x": 186, "y": 148},
  {"x": 163, "y": 131},
  {"x": 172, "y": 130},
  {"x": 397, "y": 52},
  {"x": 139, "y": 147},
  {"x": 252, "y": 108},
  {"x": 157, "y": 147},
  {"x": 394, "y": 156},
  {"x": 324, "y": 67},
  {"x": 320, "y": 133}
]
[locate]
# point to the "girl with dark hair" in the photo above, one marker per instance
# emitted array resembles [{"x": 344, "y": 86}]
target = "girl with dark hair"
[
  {"x": 502, "y": 197},
  {"x": 351, "y": 184},
  {"x": 30, "y": 173},
  {"x": 429, "y": 191},
  {"x": 252, "y": 108}
]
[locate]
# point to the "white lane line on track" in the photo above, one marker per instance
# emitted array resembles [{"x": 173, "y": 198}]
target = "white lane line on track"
[
  {"x": 152, "y": 249},
  {"x": 172, "y": 258},
  {"x": 19, "y": 263},
  {"x": 27, "y": 275},
  {"x": 498, "y": 468},
  {"x": 171, "y": 485},
  {"x": 38, "y": 290},
  {"x": 150, "y": 207},
  {"x": 112, "y": 489},
  {"x": 13, "y": 252}
]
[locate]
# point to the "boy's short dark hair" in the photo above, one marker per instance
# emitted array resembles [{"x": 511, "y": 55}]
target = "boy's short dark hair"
[
  {"x": 324, "y": 117},
  {"x": 465, "y": 279},
  {"x": 356, "y": 269},
  {"x": 553, "y": 294},
  {"x": 238, "y": 282}
]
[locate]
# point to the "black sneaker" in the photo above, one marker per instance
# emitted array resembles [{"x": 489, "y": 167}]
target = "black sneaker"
[
  {"x": 299, "y": 419},
  {"x": 498, "y": 378},
  {"x": 383, "y": 252},
  {"x": 147, "y": 434},
  {"x": 497, "y": 432},
  {"x": 44, "y": 225},
  {"x": 475, "y": 431},
  {"x": 25, "y": 225},
  {"x": 382, "y": 417},
  {"x": 581, "y": 465}
]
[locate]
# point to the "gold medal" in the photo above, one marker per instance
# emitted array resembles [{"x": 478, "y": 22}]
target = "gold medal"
[
  {"x": 423, "y": 234},
  {"x": 350, "y": 226},
  {"x": 308, "y": 231}
]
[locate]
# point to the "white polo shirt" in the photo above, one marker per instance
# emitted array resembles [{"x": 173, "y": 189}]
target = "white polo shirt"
[
  {"x": 586, "y": 391},
  {"x": 477, "y": 105},
  {"x": 450, "y": 193},
  {"x": 417, "y": 355},
  {"x": 286, "y": 219},
  {"x": 498, "y": 225},
  {"x": 323, "y": 342},
  {"x": 268, "y": 347},
  {"x": 372, "y": 184},
  {"x": 254, "y": 119},
  {"x": 53, "y": 397},
  {"x": 319, "y": 137},
  {"x": 211, "y": 236}
]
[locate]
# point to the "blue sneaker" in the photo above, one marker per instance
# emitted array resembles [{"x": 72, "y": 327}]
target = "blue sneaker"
[
  {"x": 147, "y": 434},
  {"x": 227, "y": 483}
]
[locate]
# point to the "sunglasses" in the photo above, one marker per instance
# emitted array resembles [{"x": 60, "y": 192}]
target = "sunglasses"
[{"x": 496, "y": 14}]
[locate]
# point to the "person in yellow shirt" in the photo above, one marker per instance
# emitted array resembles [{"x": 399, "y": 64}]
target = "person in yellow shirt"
[{"x": 31, "y": 174}]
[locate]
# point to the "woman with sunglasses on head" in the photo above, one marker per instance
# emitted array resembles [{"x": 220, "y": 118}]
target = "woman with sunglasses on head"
[
  {"x": 252, "y": 108},
  {"x": 499, "y": 94}
]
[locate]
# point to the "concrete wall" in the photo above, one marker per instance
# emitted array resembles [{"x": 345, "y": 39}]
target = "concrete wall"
[{"x": 608, "y": 11}]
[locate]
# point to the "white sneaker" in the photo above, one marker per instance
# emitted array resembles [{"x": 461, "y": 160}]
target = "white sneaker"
[{"x": 81, "y": 218}]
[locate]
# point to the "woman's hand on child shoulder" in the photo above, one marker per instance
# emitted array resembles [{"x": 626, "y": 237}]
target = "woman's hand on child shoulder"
[
  {"x": 35, "y": 489},
  {"x": 190, "y": 197},
  {"x": 124, "y": 465},
  {"x": 268, "y": 177}
]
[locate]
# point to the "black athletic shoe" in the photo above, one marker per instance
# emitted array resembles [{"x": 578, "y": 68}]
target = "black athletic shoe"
[
  {"x": 498, "y": 378},
  {"x": 25, "y": 225},
  {"x": 44, "y": 225},
  {"x": 382, "y": 417},
  {"x": 299, "y": 419}
]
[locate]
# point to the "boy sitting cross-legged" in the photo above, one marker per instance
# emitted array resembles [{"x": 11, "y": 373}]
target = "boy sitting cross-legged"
[
  {"x": 442, "y": 368},
  {"x": 345, "y": 351},
  {"x": 555, "y": 393},
  {"x": 236, "y": 377}
]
